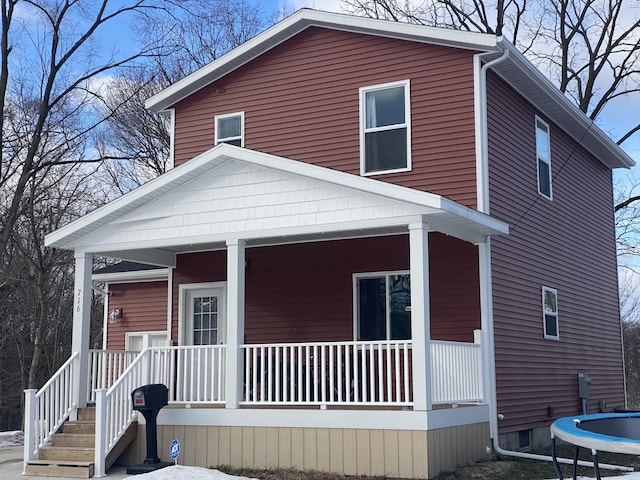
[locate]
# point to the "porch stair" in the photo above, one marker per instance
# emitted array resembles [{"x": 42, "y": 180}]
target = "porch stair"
[{"x": 71, "y": 451}]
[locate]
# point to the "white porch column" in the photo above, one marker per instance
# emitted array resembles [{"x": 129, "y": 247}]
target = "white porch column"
[
  {"x": 81, "y": 325},
  {"x": 235, "y": 321},
  {"x": 420, "y": 322}
]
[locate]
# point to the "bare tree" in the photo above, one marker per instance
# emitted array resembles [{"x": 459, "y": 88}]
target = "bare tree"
[
  {"x": 49, "y": 59},
  {"x": 590, "y": 49},
  {"x": 136, "y": 140}
]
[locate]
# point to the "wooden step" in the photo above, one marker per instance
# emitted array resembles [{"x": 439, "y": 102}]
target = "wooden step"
[
  {"x": 72, "y": 454},
  {"x": 59, "y": 468},
  {"x": 79, "y": 426},
  {"x": 87, "y": 413},
  {"x": 87, "y": 440}
]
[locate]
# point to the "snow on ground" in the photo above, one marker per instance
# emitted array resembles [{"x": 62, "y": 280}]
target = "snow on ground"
[
  {"x": 198, "y": 473},
  {"x": 11, "y": 439},
  {"x": 15, "y": 439},
  {"x": 180, "y": 471}
]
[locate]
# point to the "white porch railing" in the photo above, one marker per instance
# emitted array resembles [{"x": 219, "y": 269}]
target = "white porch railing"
[
  {"x": 193, "y": 374},
  {"x": 105, "y": 367},
  {"x": 48, "y": 408},
  {"x": 456, "y": 372},
  {"x": 332, "y": 373}
]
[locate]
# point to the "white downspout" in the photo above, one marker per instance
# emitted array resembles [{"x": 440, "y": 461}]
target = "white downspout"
[{"x": 484, "y": 249}]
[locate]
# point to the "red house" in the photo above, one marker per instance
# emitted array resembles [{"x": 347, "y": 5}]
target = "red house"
[{"x": 384, "y": 249}]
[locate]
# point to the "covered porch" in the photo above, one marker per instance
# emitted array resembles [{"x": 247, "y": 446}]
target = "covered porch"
[{"x": 232, "y": 200}]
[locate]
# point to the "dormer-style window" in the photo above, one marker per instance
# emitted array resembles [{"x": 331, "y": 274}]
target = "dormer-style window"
[
  {"x": 543, "y": 154},
  {"x": 385, "y": 130},
  {"x": 230, "y": 129}
]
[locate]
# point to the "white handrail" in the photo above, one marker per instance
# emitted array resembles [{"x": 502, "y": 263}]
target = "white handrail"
[
  {"x": 193, "y": 374},
  {"x": 114, "y": 412},
  {"x": 48, "y": 408}
]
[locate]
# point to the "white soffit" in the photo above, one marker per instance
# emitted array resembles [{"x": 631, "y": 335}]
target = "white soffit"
[{"x": 231, "y": 192}]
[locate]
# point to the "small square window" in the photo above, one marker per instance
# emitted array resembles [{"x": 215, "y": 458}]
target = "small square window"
[
  {"x": 543, "y": 159},
  {"x": 385, "y": 134},
  {"x": 550, "y": 312},
  {"x": 230, "y": 129}
]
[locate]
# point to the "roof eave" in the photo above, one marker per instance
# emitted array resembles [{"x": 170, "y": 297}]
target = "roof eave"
[
  {"x": 300, "y": 21},
  {"x": 561, "y": 109}
]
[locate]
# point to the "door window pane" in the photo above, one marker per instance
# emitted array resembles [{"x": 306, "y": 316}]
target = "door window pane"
[
  {"x": 205, "y": 320},
  {"x": 383, "y": 307},
  {"x": 399, "y": 301},
  {"x": 372, "y": 311}
]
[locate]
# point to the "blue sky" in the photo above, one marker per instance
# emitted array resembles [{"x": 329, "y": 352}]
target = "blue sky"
[
  {"x": 616, "y": 120},
  {"x": 619, "y": 116}
]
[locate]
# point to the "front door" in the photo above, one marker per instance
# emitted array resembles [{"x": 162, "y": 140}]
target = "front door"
[
  {"x": 204, "y": 316},
  {"x": 202, "y": 367}
]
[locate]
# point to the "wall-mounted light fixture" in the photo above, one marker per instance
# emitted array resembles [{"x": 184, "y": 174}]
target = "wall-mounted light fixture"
[{"x": 115, "y": 315}]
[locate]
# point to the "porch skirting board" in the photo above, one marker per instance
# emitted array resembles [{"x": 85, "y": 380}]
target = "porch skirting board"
[{"x": 394, "y": 453}]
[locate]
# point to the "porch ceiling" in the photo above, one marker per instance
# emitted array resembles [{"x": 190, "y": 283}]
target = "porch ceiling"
[{"x": 234, "y": 193}]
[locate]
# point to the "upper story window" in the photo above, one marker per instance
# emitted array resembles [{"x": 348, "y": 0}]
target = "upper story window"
[
  {"x": 230, "y": 129},
  {"x": 382, "y": 306},
  {"x": 543, "y": 154},
  {"x": 385, "y": 130},
  {"x": 550, "y": 312}
]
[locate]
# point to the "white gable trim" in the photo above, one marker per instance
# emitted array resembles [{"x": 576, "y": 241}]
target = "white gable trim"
[
  {"x": 185, "y": 207},
  {"x": 519, "y": 72},
  {"x": 301, "y": 20}
]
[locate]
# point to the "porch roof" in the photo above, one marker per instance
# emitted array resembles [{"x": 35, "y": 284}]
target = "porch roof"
[{"x": 231, "y": 193}]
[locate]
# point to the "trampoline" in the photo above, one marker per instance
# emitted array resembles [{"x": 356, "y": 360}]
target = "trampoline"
[{"x": 607, "y": 432}]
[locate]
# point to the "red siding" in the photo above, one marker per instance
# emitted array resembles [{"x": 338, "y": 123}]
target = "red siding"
[
  {"x": 196, "y": 268},
  {"x": 301, "y": 101},
  {"x": 304, "y": 292},
  {"x": 144, "y": 309},
  {"x": 567, "y": 244}
]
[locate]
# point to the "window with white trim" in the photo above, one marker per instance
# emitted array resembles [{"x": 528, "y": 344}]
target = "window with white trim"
[
  {"x": 550, "y": 312},
  {"x": 385, "y": 130},
  {"x": 230, "y": 129},
  {"x": 382, "y": 306},
  {"x": 543, "y": 156}
]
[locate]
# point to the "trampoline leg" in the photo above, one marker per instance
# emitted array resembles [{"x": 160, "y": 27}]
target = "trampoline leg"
[
  {"x": 575, "y": 463},
  {"x": 555, "y": 458},
  {"x": 596, "y": 467}
]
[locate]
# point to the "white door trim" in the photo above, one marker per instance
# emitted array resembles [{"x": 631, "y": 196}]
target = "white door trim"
[{"x": 182, "y": 294}]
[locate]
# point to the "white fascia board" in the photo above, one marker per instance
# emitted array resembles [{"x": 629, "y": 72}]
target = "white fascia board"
[
  {"x": 141, "y": 195},
  {"x": 298, "y": 22},
  {"x": 325, "y": 418},
  {"x": 618, "y": 157},
  {"x": 71, "y": 235},
  {"x": 374, "y": 187},
  {"x": 132, "y": 276}
]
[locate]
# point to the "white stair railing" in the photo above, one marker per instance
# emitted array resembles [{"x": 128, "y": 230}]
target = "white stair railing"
[
  {"x": 48, "y": 408},
  {"x": 114, "y": 412}
]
